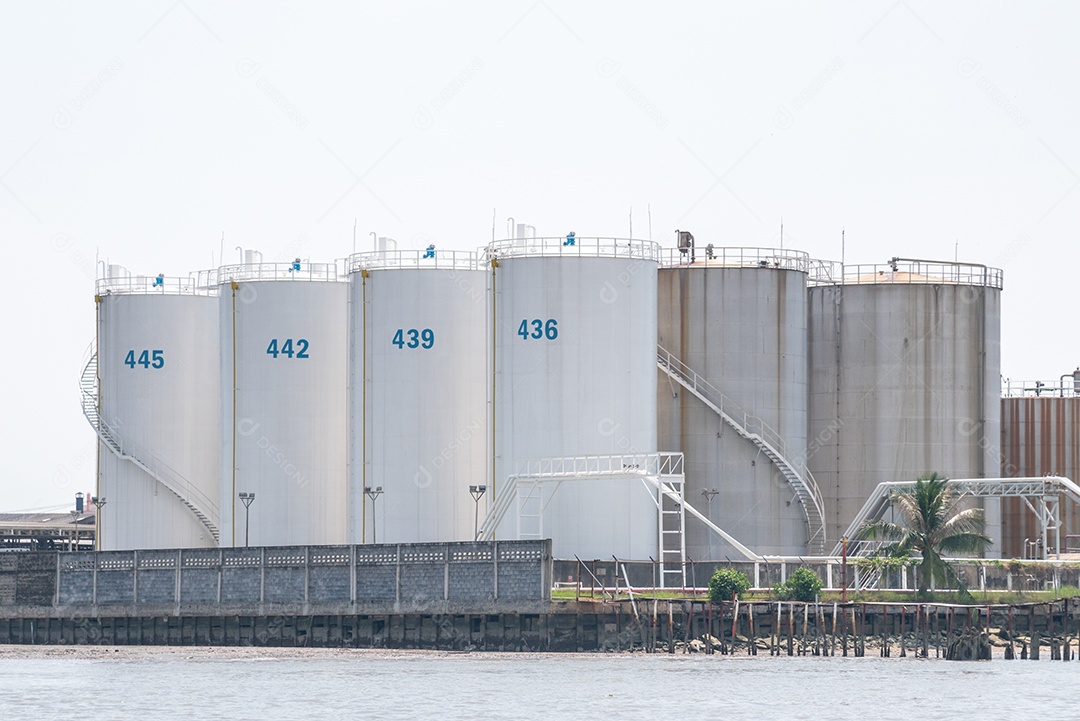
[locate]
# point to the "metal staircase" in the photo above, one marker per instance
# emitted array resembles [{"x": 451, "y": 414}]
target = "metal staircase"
[
  {"x": 203, "y": 507},
  {"x": 760, "y": 434},
  {"x": 661, "y": 473}
]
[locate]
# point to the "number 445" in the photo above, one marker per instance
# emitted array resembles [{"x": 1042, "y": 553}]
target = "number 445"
[{"x": 147, "y": 359}]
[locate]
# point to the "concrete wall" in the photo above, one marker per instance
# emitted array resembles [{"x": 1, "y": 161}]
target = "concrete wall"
[{"x": 480, "y": 577}]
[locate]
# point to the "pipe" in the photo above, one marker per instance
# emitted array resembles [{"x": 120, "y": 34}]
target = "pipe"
[
  {"x": 494, "y": 265},
  {"x": 363, "y": 401},
  {"x": 97, "y": 379},
  {"x": 232, "y": 522}
]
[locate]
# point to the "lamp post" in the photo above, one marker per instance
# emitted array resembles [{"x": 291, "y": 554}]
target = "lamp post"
[
  {"x": 709, "y": 494},
  {"x": 477, "y": 493},
  {"x": 99, "y": 503},
  {"x": 75, "y": 520},
  {"x": 373, "y": 493},
  {"x": 247, "y": 499}
]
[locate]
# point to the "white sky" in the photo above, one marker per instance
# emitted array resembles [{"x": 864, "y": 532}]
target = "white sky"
[{"x": 140, "y": 132}]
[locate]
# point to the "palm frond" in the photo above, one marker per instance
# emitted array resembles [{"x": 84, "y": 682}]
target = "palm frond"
[{"x": 965, "y": 543}]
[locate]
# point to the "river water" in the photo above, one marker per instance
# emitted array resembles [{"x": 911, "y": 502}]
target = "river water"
[{"x": 196, "y": 684}]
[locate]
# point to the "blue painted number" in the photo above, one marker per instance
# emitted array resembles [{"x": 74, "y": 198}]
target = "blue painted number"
[
  {"x": 416, "y": 338},
  {"x": 539, "y": 329},
  {"x": 287, "y": 349},
  {"x": 146, "y": 359}
]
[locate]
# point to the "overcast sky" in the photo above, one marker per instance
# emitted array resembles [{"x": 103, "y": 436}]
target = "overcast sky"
[{"x": 140, "y": 132}]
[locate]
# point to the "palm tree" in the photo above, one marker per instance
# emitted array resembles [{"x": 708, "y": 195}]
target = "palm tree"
[{"x": 932, "y": 526}]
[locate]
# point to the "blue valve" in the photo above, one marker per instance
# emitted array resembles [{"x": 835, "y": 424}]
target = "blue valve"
[
  {"x": 430, "y": 251},
  {"x": 571, "y": 239}
]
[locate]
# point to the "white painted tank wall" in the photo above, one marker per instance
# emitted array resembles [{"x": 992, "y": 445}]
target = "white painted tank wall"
[
  {"x": 744, "y": 330},
  {"x": 904, "y": 380},
  {"x": 592, "y": 390},
  {"x": 167, "y": 417},
  {"x": 289, "y": 428},
  {"x": 426, "y": 418}
]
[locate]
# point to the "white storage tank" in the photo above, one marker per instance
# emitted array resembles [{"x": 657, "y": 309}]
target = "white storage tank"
[
  {"x": 418, "y": 394},
  {"x": 905, "y": 376},
  {"x": 737, "y": 319},
  {"x": 284, "y": 375},
  {"x": 575, "y": 375},
  {"x": 156, "y": 404}
]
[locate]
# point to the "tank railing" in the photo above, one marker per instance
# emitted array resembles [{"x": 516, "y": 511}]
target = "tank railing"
[
  {"x": 146, "y": 285},
  {"x": 271, "y": 271},
  {"x": 576, "y": 246},
  {"x": 1057, "y": 388},
  {"x": 916, "y": 272},
  {"x": 205, "y": 508},
  {"x": 702, "y": 257},
  {"x": 631, "y": 464},
  {"x": 747, "y": 420},
  {"x": 825, "y": 272},
  {"x": 415, "y": 259},
  {"x": 176, "y": 482},
  {"x": 791, "y": 463}
]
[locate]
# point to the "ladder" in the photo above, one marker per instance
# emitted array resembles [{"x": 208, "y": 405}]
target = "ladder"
[
  {"x": 671, "y": 524},
  {"x": 202, "y": 507},
  {"x": 756, "y": 431}
]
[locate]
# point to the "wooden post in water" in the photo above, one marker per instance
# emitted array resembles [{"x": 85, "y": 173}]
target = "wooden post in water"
[
  {"x": 843, "y": 632},
  {"x": 751, "y": 639},
  {"x": 806, "y": 617},
  {"x": 791, "y": 629},
  {"x": 832, "y": 650},
  {"x": 671, "y": 628},
  {"x": 819, "y": 628},
  {"x": 854, "y": 631},
  {"x": 774, "y": 637},
  {"x": 1035, "y": 640},
  {"x": 1010, "y": 653},
  {"x": 884, "y": 631},
  {"x": 903, "y": 647}
]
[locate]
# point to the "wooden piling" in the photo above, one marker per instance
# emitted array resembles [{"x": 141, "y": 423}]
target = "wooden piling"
[
  {"x": 751, "y": 640},
  {"x": 1034, "y": 634}
]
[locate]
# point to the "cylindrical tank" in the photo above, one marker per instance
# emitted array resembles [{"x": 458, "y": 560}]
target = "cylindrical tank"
[
  {"x": 575, "y": 375},
  {"x": 737, "y": 318},
  {"x": 418, "y": 394},
  {"x": 284, "y": 376},
  {"x": 904, "y": 379},
  {"x": 158, "y": 409}
]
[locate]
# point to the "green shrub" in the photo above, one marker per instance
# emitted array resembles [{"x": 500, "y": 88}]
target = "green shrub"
[
  {"x": 725, "y": 582},
  {"x": 802, "y": 585}
]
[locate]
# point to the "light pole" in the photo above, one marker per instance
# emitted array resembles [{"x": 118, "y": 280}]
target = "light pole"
[
  {"x": 709, "y": 494},
  {"x": 373, "y": 493},
  {"x": 99, "y": 503},
  {"x": 247, "y": 499},
  {"x": 75, "y": 520},
  {"x": 477, "y": 493}
]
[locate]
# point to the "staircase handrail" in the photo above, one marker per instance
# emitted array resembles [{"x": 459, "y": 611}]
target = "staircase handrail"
[
  {"x": 751, "y": 423},
  {"x": 143, "y": 457}
]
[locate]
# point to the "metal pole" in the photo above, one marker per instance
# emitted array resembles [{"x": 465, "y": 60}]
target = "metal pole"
[
  {"x": 247, "y": 524},
  {"x": 843, "y": 570}
]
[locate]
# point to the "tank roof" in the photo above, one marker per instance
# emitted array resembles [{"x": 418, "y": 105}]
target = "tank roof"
[
  {"x": 735, "y": 257},
  {"x": 902, "y": 271},
  {"x": 430, "y": 259},
  {"x": 573, "y": 246}
]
